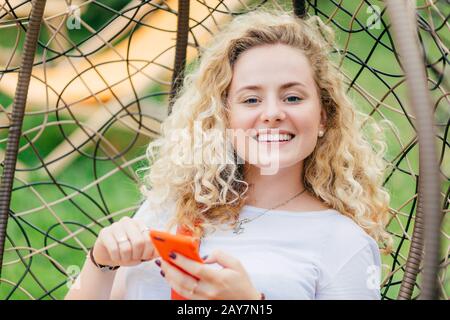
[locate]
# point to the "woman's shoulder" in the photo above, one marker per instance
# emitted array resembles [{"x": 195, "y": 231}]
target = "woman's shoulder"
[
  {"x": 347, "y": 247},
  {"x": 344, "y": 232},
  {"x": 344, "y": 238}
]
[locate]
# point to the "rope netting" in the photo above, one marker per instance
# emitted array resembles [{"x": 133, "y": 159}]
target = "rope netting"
[{"x": 101, "y": 84}]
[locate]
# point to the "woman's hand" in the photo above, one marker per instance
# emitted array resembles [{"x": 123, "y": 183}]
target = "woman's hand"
[
  {"x": 231, "y": 282},
  {"x": 124, "y": 243}
]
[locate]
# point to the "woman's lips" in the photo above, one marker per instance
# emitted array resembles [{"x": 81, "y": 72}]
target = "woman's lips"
[{"x": 274, "y": 142}]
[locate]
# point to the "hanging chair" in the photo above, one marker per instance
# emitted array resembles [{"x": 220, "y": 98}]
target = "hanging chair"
[{"x": 84, "y": 88}]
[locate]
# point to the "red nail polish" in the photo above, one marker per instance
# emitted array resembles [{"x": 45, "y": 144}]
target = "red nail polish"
[
  {"x": 162, "y": 273},
  {"x": 158, "y": 263},
  {"x": 172, "y": 255}
]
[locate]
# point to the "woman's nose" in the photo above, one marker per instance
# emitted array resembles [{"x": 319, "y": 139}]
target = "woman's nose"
[{"x": 272, "y": 112}]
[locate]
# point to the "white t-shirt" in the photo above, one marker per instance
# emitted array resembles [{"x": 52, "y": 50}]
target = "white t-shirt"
[{"x": 288, "y": 255}]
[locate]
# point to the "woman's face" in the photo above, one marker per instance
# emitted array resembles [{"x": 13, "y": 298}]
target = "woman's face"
[{"x": 273, "y": 90}]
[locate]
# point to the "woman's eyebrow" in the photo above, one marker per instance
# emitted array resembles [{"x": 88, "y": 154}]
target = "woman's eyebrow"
[
  {"x": 284, "y": 86},
  {"x": 250, "y": 87},
  {"x": 292, "y": 84}
]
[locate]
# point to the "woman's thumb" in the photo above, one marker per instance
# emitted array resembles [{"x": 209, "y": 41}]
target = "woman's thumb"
[{"x": 222, "y": 258}]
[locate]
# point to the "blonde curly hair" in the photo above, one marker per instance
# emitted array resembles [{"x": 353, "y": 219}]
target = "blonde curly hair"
[{"x": 344, "y": 170}]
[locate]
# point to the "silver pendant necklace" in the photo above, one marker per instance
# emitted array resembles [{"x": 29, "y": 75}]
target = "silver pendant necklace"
[{"x": 238, "y": 229}]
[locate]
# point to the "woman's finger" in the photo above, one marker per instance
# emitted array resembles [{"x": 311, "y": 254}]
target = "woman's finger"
[
  {"x": 123, "y": 242},
  {"x": 136, "y": 239},
  {"x": 110, "y": 244},
  {"x": 194, "y": 268},
  {"x": 149, "y": 251},
  {"x": 224, "y": 259},
  {"x": 181, "y": 282}
]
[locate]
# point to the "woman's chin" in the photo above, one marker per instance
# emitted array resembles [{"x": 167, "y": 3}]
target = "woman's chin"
[{"x": 272, "y": 165}]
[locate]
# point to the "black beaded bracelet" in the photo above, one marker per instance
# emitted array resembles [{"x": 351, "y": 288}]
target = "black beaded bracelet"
[{"x": 101, "y": 266}]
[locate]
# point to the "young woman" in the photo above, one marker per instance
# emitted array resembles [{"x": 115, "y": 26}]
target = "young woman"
[{"x": 265, "y": 159}]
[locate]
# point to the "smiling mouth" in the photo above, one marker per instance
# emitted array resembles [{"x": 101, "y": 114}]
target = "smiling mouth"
[{"x": 274, "y": 138}]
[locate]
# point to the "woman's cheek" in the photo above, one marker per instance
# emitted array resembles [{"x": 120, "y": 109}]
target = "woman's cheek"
[
  {"x": 307, "y": 142},
  {"x": 243, "y": 119}
]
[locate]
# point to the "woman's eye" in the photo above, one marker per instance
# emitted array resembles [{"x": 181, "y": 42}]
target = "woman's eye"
[
  {"x": 299, "y": 99},
  {"x": 250, "y": 100}
]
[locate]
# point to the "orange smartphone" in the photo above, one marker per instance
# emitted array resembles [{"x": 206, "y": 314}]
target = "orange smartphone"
[{"x": 165, "y": 242}]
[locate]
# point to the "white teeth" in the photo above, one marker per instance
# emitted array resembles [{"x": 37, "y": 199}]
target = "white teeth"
[{"x": 274, "y": 137}]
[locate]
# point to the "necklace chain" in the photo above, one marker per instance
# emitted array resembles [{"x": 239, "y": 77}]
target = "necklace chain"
[{"x": 238, "y": 229}]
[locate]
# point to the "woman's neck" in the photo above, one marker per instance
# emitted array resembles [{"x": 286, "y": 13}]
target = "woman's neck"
[{"x": 267, "y": 191}]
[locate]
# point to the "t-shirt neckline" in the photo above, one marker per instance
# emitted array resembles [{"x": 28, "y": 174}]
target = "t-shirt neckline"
[{"x": 250, "y": 208}]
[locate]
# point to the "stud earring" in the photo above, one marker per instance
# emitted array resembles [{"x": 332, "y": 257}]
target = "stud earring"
[{"x": 321, "y": 134}]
